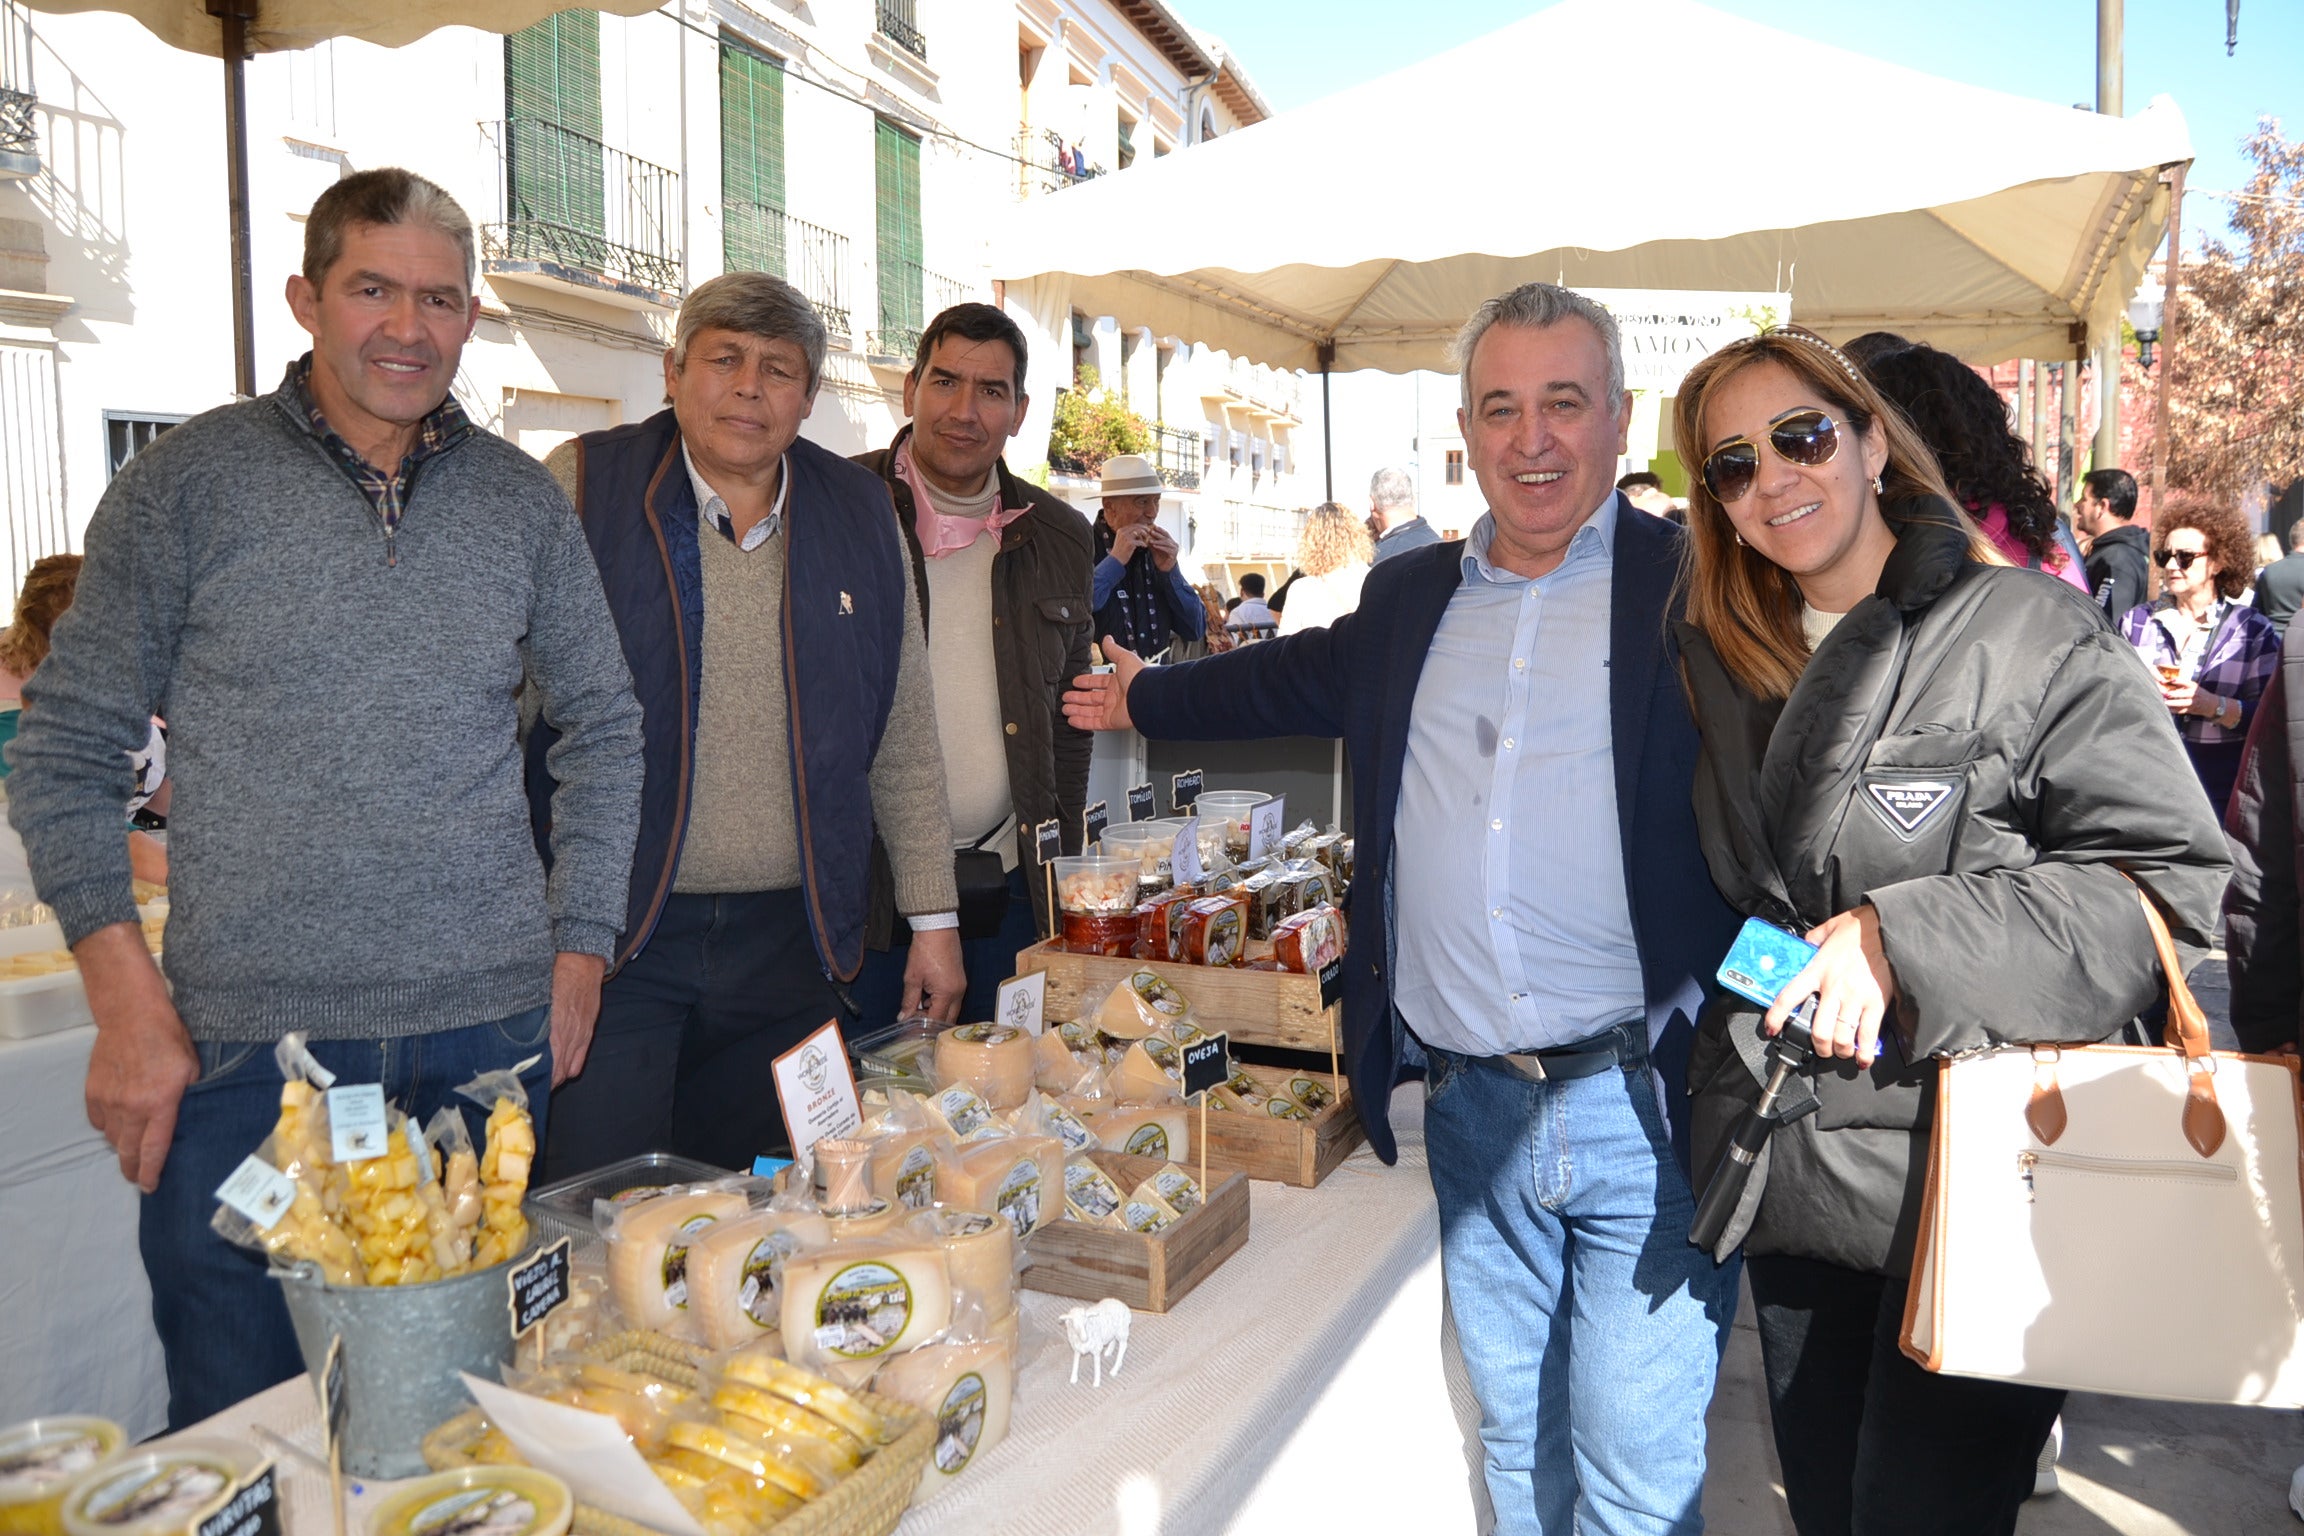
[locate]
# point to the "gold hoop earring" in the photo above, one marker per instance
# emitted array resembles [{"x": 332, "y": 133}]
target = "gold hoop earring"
[
  {"x": 1876, "y": 486},
  {"x": 1739, "y": 540}
]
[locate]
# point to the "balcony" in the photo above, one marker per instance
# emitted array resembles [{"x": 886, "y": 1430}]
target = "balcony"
[
  {"x": 19, "y": 133},
  {"x": 760, "y": 238},
  {"x": 899, "y": 22},
  {"x": 1176, "y": 455},
  {"x": 1269, "y": 391},
  {"x": 1045, "y": 163},
  {"x": 910, "y": 296},
  {"x": 576, "y": 216}
]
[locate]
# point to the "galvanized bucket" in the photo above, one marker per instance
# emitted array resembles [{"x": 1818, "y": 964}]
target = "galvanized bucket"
[{"x": 403, "y": 1348}]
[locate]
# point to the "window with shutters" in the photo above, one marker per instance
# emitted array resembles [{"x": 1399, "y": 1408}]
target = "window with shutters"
[
  {"x": 554, "y": 151},
  {"x": 751, "y": 161},
  {"x": 903, "y": 281},
  {"x": 1452, "y": 472}
]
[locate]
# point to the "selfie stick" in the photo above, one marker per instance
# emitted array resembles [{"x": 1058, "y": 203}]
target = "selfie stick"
[{"x": 1787, "y": 1053}]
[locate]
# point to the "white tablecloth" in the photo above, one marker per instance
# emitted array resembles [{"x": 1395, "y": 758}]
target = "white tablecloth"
[{"x": 75, "y": 1312}]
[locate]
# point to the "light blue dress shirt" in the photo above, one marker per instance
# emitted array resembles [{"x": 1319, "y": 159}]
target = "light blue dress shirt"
[{"x": 1514, "y": 926}]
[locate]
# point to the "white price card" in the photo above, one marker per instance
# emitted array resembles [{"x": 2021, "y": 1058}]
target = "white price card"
[
  {"x": 817, "y": 1088},
  {"x": 1023, "y": 1002},
  {"x": 588, "y": 1451},
  {"x": 258, "y": 1191},
  {"x": 1267, "y": 825},
  {"x": 1184, "y": 862},
  {"x": 357, "y": 1127}
]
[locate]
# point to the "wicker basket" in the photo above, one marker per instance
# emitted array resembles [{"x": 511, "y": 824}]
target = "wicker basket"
[{"x": 867, "y": 1502}]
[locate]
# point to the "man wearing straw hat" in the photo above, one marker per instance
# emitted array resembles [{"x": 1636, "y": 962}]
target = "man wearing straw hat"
[{"x": 1141, "y": 597}]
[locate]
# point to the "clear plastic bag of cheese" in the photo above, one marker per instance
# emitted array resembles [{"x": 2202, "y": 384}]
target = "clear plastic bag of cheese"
[{"x": 700, "y": 1261}]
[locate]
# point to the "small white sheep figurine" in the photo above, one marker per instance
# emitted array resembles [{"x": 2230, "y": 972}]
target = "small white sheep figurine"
[{"x": 1092, "y": 1330}]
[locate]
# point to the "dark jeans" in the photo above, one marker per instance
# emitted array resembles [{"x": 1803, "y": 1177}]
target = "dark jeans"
[
  {"x": 1871, "y": 1444},
  {"x": 879, "y": 988},
  {"x": 221, "y": 1320},
  {"x": 690, "y": 1028}
]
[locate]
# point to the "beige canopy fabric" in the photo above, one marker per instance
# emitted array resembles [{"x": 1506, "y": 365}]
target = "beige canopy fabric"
[
  {"x": 282, "y": 25},
  {"x": 1622, "y": 144}
]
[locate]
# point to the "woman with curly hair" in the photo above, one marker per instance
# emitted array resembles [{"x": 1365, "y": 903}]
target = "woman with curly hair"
[
  {"x": 1332, "y": 559},
  {"x": 2214, "y": 654},
  {"x": 1964, "y": 422}
]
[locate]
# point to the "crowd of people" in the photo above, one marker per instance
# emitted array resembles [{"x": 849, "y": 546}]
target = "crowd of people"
[{"x": 758, "y": 736}]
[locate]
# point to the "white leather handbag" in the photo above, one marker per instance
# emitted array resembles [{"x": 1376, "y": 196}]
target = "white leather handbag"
[{"x": 2117, "y": 1218}]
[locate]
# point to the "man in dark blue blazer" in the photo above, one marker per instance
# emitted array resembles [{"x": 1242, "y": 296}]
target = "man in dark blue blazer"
[{"x": 1532, "y": 918}]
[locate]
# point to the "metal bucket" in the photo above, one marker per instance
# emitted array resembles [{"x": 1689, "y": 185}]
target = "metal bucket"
[{"x": 403, "y": 1347}]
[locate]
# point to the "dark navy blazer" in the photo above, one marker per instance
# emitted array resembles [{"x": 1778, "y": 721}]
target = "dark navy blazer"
[{"x": 1357, "y": 679}]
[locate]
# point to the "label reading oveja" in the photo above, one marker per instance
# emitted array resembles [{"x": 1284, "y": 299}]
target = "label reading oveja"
[
  {"x": 862, "y": 1310},
  {"x": 475, "y": 1512},
  {"x": 916, "y": 1179},
  {"x": 676, "y": 1261},
  {"x": 1019, "y": 1197},
  {"x": 960, "y": 1423},
  {"x": 763, "y": 1267},
  {"x": 1147, "y": 1141}
]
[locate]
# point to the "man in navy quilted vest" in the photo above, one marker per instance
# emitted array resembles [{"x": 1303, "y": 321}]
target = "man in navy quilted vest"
[{"x": 766, "y": 604}]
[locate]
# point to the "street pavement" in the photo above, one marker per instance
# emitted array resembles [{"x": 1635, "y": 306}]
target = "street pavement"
[{"x": 2129, "y": 1467}]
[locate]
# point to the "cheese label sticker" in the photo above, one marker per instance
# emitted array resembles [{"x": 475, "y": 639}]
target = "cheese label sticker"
[
  {"x": 1147, "y": 1141},
  {"x": 1310, "y": 1092},
  {"x": 1018, "y": 1197},
  {"x": 357, "y": 1127},
  {"x": 1091, "y": 1191},
  {"x": 1905, "y": 805},
  {"x": 965, "y": 1111},
  {"x": 174, "y": 1491},
  {"x": 763, "y": 1268},
  {"x": 987, "y": 1034},
  {"x": 475, "y": 1512},
  {"x": 1022, "y": 1003},
  {"x": 960, "y": 1424},
  {"x": 1066, "y": 1127},
  {"x": 258, "y": 1191},
  {"x": 34, "y": 1462},
  {"x": 675, "y": 1272},
  {"x": 1178, "y": 1188},
  {"x": 1143, "y": 1216},
  {"x": 862, "y": 1310},
  {"x": 916, "y": 1179}
]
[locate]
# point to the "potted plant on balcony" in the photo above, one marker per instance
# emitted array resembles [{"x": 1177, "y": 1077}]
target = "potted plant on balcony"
[{"x": 1093, "y": 424}]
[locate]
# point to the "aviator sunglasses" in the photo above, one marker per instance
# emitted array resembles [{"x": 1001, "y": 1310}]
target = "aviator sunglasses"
[
  {"x": 2180, "y": 558},
  {"x": 1805, "y": 437}
]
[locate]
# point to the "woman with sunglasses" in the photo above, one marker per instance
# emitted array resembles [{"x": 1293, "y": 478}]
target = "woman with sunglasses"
[
  {"x": 2214, "y": 654},
  {"x": 1945, "y": 773}
]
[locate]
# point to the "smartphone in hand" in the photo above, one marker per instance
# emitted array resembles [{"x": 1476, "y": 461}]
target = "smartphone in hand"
[{"x": 1762, "y": 959}]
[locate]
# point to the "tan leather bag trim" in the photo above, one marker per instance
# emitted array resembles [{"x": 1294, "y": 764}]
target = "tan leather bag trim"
[{"x": 1931, "y": 1358}]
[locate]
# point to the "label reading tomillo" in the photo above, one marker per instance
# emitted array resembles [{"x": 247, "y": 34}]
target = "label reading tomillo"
[
  {"x": 960, "y": 1423},
  {"x": 763, "y": 1267},
  {"x": 675, "y": 1274},
  {"x": 862, "y": 1310}
]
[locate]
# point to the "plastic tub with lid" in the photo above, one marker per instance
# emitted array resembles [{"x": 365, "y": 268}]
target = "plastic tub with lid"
[
  {"x": 40, "y": 1460},
  {"x": 165, "y": 1491},
  {"x": 477, "y": 1501}
]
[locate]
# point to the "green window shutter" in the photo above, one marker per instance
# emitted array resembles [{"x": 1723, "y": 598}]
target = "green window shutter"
[
  {"x": 899, "y": 244},
  {"x": 557, "y": 180},
  {"x": 751, "y": 162}
]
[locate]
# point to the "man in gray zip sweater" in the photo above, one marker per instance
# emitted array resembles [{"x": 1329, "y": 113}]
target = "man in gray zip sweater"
[{"x": 332, "y": 594}]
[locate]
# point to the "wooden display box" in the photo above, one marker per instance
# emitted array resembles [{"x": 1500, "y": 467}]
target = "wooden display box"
[
  {"x": 1290, "y": 1151},
  {"x": 1151, "y": 1274},
  {"x": 1279, "y": 1008}
]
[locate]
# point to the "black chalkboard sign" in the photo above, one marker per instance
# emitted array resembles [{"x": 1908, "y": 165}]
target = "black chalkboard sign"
[
  {"x": 1048, "y": 841},
  {"x": 1094, "y": 821},
  {"x": 253, "y": 1509},
  {"x": 1207, "y": 1063},
  {"x": 1141, "y": 805},
  {"x": 536, "y": 1289},
  {"x": 1184, "y": 791},
  {"x": 1332, "y": 982}
]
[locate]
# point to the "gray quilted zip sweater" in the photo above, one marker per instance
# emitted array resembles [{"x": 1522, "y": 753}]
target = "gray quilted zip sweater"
[{"x": 350, "y": 852}]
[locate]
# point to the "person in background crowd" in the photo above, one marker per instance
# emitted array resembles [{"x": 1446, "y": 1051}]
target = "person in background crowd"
[
  {"x": 1964, "y": 422},
  {"x": 1645, "y": 490},
  {"x": 1333, "y": 554},
  {"x": 1005, "y": 575},
  {"x": 2280, "y": 584},
  {"x": 1216, "y": 639},
  {"x": 2214, "y": 654},
  {"x": 1141, "y": 597},
  {"x": 1836, "y": 594},
  {"x": 1522, "y": 757},
  {"x": 1251, "y": 611},
  {"x": 1392, "y": 515},
  {"x": 2119, "y": 553},
  {"x": 780, "y": 735},
  {"x": 334, "y": 590}
]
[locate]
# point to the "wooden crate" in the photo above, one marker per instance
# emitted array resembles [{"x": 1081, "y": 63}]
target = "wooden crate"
[
  {"x": 1151, "y": 1274},
  {"x": 1290, "y": 1151},
  {"x": 1254, "y": 1007}
]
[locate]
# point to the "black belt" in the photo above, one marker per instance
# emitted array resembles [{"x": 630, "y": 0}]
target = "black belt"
[{"x": 1624, "y": 1046}]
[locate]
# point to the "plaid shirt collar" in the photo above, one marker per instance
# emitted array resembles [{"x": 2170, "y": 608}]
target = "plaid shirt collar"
[{"x": 439, "y": 431}]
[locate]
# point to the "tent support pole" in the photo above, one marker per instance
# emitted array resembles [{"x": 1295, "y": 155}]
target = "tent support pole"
[
  {"x": 2168, "y": 312},
  {"x": 1327, "y": 427},
  {"x": 236, "y": 16}
]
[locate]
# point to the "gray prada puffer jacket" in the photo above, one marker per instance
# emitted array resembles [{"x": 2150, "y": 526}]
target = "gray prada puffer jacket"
[{"x": 1974, "y": 752}]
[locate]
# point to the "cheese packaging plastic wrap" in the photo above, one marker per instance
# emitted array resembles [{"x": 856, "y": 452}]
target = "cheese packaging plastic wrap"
[
  {"x": 1064, "y": 1054},
  {"x": 1019, "y": 1177},
  {"x": 1150, "y": 1073},
  {"x": 476, "y": 1501},
  {"x": 764, "y": 1416},
  {"x": 1140, "y": 1004},
  {"x": 1310, "y": 1092},
  {"x": 648, "y": 1247},
  {"x": 509, "y": 1153},
  {"x": 161, "y": 1492},
  {"x": 875, "y": 1220},
  {"x": 1090, "y": 1196},
  {"x": 39, "y": 1461},
  {"x": 904, "y": 1168},
  {"x": 1308, "y": 941},
  {"x": 997, "y": 1060},
  {"x": 1157, "y": 1131},
  {"x": 1213, "y": 932},
  {"x": 733, "y": 1267},
  {"x": 1179, "y": 1189},
  {"x": 771, "y": 1373},
  {"x": 980, "y": 1254},
  {"x": 960, "y": 1112},
  {"x": 1043, "y": 1116},
  {"x": 970, "y": 1389},
  {"x": 1147, "y": 1214},
  {"x": 855, "y": 1302}
]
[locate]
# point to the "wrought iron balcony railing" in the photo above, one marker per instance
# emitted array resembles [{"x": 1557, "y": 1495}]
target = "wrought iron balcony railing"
[
  {"x": 757, "y": 237},
  {"x": 19, "y": 134},
  {"x": 1176, "y": 455},
  {"x": 1045, "y": 163},
  {"x": 910, "y": 296},
  {"x": 900, "y": 24},
  {"x": 565, "y": 200}
]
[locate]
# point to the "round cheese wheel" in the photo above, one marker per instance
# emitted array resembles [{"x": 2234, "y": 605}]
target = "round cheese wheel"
[
  {"x": 994, "y": 1059},
  {"x": 733, "y": 1268},
  {"x": 969, "y": 1388},
  {"x": 648, "y": 1252}
]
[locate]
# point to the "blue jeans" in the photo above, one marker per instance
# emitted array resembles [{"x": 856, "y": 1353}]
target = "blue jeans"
[
  {"x": 1592, "y": 1331},
  {"x": 222, "y": 1323},
  {"x": 879, "y": 988}
]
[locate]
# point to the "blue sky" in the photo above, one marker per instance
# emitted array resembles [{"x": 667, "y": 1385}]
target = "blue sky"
[{"x": 1300, "y": 50}]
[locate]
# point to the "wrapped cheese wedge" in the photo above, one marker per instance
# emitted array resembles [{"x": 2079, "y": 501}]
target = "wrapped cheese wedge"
[
  {"x": 1310, "y": 1092},
  {"x": 1062, "y": 1056},
  {"x": 1149, "y": 1217},
  {"x": 970, "y": 1388},
  {"x": 733, "y": 1268},
  {"x": 808, "y": 1390},
  {"x": 857, "y": 1301},
  {"x": 1141, "y": 1004},
  {"x": 1152, "y": 1072},
  {"x": 725, "y": 1501},
  {"x": 648, "y": 1248},
  {"x": 1019, "y": 1177},
  {"x": 904, "y": 1168},
  {"x": 794, "y": 1466},
  {"x": 980, "y": 1252},
  {"x": 1144, "y": 1131},
  {"x": 765, "y": 1416},
  {"x": 1178, "y": 1188},
  {"x": 1090, "y": 1196},
  {"x": 960, "y": 1112},
  {"x": 995, "y": 1059},
  {"x": 1043, "y": 1116}
]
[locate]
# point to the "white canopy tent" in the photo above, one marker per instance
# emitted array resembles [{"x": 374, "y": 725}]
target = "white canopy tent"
[{"x": 1619, "y": 144}]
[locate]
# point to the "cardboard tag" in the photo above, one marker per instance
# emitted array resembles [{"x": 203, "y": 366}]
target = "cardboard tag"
[
  {"x": 1048, "y": 841},
  {"x": 1184, "y": 789},
  {"x": 1267, "y": 824},
  {"x": 1141, "y": 805},
  {"x": 1207, "y": 1063},
  {"x": 357, "y": 1127},
  {"x": 817, "y": 1089},
  {"x": 1023, "y": 1002},
  {"x": 253, "y": 1509},
  {"x": 1184, "y": 859},
  {"x": 258, "y": 1191},
  {"x": 1094, "y": 821},
  {"x": 335, "y": 1401},
  {"x": 1332, "y": 982},
  {"x": 536, "y": 1289}
]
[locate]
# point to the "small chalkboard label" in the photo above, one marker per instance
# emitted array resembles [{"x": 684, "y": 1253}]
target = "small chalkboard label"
[
  {"x": 1184, "y": 791},
  {"x": 335, "y": 1401},
  {"x": 253, "y": 1509},
  {"x": 535, "y": 1290},
  {"x": 1207, "y": 1063},
  {"x": 1094, "y": 821},
  {"x": 1332, "y": 982},
  {"x": 1048, "y": 841},
  {"x": 1142, "y": 806}
]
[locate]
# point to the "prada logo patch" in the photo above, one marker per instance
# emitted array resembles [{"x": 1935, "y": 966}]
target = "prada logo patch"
[{"x": 1906, "y": 804}]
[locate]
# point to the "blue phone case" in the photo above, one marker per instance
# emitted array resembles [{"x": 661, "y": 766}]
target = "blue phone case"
[{"x": 1762, "y": 959}]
